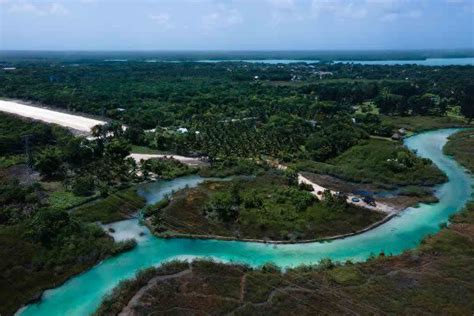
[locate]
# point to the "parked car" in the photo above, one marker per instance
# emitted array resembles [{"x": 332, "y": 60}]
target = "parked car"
[{"x": 370, "y": 200}]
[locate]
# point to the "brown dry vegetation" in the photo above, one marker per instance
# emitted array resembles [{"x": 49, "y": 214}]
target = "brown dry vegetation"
[{"x": 437, "y": 278}]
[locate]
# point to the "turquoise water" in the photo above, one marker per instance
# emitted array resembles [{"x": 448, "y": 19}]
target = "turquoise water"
[
  {"x": 253, "y": 61},
  {"x": 422, "y": 62},
  {"x": 82, "y": 295},
  {"x": 262, "y": 61}
]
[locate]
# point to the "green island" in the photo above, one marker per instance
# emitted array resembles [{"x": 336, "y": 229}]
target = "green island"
[
  {"x": 255, "y": 130},
  {"x": 270, "y": 207}
]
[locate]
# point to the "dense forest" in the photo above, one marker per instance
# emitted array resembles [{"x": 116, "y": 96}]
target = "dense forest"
[
  {"x": 318, "y": 118},
  {"x": 44, "y": 172},
  {"x": 295, "y": 111}
]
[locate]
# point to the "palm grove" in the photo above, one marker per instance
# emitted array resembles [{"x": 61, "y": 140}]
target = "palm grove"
[{"x": 234, "y": 113}]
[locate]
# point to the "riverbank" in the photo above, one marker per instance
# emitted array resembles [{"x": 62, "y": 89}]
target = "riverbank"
[
  {"x": 30, "y": 268},
  {"x": 394, "y": 237},
  {"x": 350, "y": 199},
  {"x": 395, "y": 197},
  {"x": 461, "y": 147},
  {"x": 170, "y": 235},
  {"x": 191, "y": 161},
  {"x": 432, "y": 279},
  {"x": 266, "y": 208}
]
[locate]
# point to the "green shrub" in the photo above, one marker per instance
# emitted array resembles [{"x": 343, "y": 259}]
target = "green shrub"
[{"x": 83, "y": 186}]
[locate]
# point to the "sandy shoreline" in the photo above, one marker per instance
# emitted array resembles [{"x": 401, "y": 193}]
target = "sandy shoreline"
[
  {"x": 75, "y": 122},
  {"x": 379, "y": 207}
]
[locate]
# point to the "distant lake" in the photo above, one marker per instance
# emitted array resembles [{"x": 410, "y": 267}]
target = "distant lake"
[
  {"x": 116, "y": 60},
  {"x": 254, "y": 61},
  {"x": 423, "y": 62},
  {"x": 262, "y": 61}
]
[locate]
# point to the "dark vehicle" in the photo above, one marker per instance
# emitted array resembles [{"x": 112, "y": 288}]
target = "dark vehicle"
[{"x": 369, "y": 200}]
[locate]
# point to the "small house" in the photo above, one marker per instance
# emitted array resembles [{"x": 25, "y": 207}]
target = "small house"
[
  {"x": 402, "y": 131},
  {"x": 312, "y": 122},
  {"x": 397, "y": 136}
]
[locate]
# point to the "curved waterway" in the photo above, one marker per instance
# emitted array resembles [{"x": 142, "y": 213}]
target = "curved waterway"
[{"x": 82, "y": 294}]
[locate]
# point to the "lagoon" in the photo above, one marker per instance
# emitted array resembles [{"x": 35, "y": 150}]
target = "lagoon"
[
  {"x": 82, "y": 294},
  {"x": 261, "y": 61},
  {"x": 421, "y": 62}
]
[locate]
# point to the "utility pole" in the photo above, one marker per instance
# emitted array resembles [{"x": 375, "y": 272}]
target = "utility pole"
[
  {"x": 70, "y": 99},
  {"x": 29, "y": 159},
  {"x": 26, "y": 140}
]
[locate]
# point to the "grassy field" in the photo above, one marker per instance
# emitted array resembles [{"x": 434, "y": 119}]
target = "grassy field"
[
  {"x": 436, "y": 278},
  {"x": 461, "y": 147},
  {"x": 144, "y": 150},
  {"x": 423, "y": 123},
  {"x": 63, "y": 200},
  {"x": 380, "y": 162},
  {"x": 265, "y": 207},
  {"x": 115, "y": 207}
]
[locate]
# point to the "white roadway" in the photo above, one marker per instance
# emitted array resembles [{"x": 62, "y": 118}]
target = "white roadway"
[
  {"x": 186, "y": 160},
  {"x": 84, "y": 125},
  {"x": 379, "y": 207},
  {"x": 76, "y": 122}
]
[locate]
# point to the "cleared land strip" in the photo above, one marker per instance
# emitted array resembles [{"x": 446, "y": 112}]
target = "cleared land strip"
[
  {"x": 186, "y": 160},
  {"x": 379, "y": 207},
  {"x": 76, "y": 122}
]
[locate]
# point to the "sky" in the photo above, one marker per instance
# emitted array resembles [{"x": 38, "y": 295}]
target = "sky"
[{"x": 235, "y": 24}]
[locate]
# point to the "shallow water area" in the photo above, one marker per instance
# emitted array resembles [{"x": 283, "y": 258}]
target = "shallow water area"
[
  {"x": 126, "y": 230},
  {"x": 261, "y": 61},
  {"x": 82, "y": 294},
  {"x": 465, "y": 61}
]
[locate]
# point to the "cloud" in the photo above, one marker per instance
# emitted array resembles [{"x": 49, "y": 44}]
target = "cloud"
[
  {"x": 395, "y": 15},
  {"x": 57, "y": 8},
  {"x": 390, "y": 17},
  {"x": 285, "y": 11},
  {"x": 162, "y": 19},
  {"x": 465, "y": 5},
  {"x": 282, "y": 4},
  {"x": 24, "y": 7},
  {"x": 339, "y": 8},
  {"x": 223, "y": 17},
  {"x": 414, "y": 14}
]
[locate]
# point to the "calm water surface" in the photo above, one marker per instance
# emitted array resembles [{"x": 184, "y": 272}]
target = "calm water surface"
[
  {"x": 82, "y": 295},
  {"x": 422, "y": 62},
  {"x": 262, "y": 61}
]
